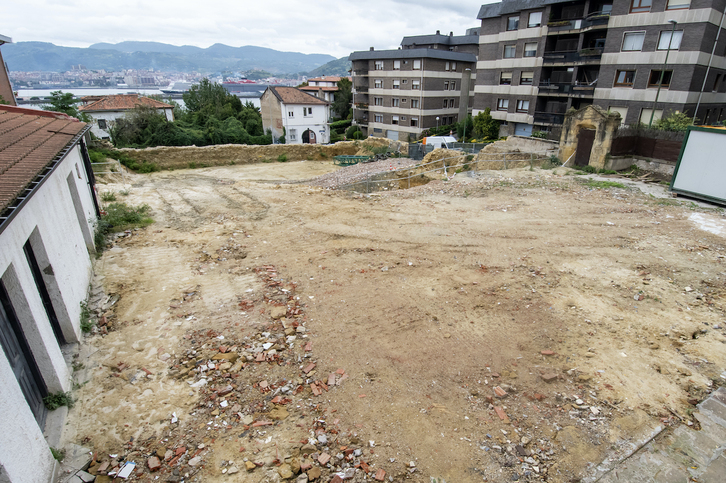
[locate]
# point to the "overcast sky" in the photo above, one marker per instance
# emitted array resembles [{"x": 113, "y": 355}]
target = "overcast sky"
[{"x": 335, "y": 27}]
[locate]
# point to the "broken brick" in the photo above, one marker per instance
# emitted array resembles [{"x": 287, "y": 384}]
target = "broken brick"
[
  {"x": 499, "y": 392},
  {"x": 380, "y": 474},
  {"x": 547, "y": 353},
  {"x": 323, "y": 458},
  {"x": 500, "y": 412},
  {"x": 549, "y": 377},
  {"x": 153, "y": 463},
  {"x": 309, "y": 367}
]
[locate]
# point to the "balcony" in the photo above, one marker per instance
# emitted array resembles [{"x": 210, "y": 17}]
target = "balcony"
[
  {"x": 360, "y": 98},
  {"x": 596, "y": 19},
  {"x": 584, "y": 56},
  {"x": 548, "y": 117},
  {"x": 361, "y": 89},
  {"x": 578, "y": 89}
]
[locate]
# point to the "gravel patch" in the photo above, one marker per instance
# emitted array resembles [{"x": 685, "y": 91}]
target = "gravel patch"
[{"x": 359, "y": 172}]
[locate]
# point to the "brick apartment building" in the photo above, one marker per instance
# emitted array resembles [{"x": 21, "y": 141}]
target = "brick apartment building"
[
  {"x": 539, "y": 58},
  {"x": 427, "y": 82}
]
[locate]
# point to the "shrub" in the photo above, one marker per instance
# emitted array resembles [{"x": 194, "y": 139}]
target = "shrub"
[
  {"x": 354, "y": 132},
  {"x": 119, "y": 217},
  {"x": 282, "y": 158},
  {"x": 588, "y": 169},
  {"x": 108, "y": 196},
  {"x": 57, "y": 399},
  {"x": 539, "y": 134},
  {"x": 86, "y": 324}
]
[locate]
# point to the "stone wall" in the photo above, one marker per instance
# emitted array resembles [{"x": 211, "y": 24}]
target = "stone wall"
[{"x": 179, "y": 157}]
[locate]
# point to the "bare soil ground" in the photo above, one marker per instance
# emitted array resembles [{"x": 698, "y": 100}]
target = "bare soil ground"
[{"x": 598, "y": 312}]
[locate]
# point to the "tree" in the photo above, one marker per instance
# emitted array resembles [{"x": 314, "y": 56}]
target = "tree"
[
  {"x": 64, "y": 103},
  {"x": 677, "y": 121},
  {"x": 465, "y": 127},
  {"x": 343, "y": 98},
  {"x": 485, "y": 126}
]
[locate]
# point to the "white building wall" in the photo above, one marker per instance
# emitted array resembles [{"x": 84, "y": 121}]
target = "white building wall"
[
  {"x": 110, "y": 116},
  {"x": 51, "y": 218},
  {"x": 317, "y": 122}
]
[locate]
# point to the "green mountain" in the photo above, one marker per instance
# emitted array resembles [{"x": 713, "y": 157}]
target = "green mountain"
[
  {"x": 42, "y": 56},
  {"x": 339, "y": 67}
]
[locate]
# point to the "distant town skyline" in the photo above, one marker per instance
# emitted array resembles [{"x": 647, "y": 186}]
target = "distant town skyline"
[{"x": 332, "y": 27}]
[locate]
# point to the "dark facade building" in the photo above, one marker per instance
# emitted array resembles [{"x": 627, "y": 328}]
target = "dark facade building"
[
  {"x": 427, "y": 82},
  {"x": 539, "y": 58}
]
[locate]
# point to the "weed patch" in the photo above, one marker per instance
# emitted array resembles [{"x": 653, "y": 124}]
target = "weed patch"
[
  {"x": 58, "y": 454},
  {"x": 119, "y": 217},
  {"x": 58, "y": 399},
  {"x": 99, "y": 155},
  {"x": 591, "y": 183},
  {"x": 86, "y": 324},
  {"x": 282, "y": 158},
  {"x": 108, "y": 196}
]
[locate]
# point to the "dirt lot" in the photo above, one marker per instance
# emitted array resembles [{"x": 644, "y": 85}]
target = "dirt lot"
[{"x": 599, "y": 313}]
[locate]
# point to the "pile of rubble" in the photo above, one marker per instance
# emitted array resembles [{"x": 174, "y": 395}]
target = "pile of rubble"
[{"x": 248, "y": 389}]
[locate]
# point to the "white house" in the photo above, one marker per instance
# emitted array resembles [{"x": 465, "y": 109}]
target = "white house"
[
  {"x": 104, "y": 110},
  {"x": 304, "y": 117},
  {"x": 48, "y": 210},
  {"x": 324, "y": 87}
]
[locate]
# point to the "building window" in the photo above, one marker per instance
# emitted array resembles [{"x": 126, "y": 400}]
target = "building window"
[
  {"x": 396, "y": 65},
  {"x": 404, "y": 81},
  {"x": 448, "y": 66},
  {"x": 414, "y": 122},
  {"x": 535, "y": 19},
  {"x": 403, "y": 118},
  {"x": 415, "y": 84},
  {"x": 446, "y": 103},
  {"x": 453, "y": 66},
  {"x": 633, "y": 41},
  {"x": 624, "y": 78},
  {"x": 378, "y": 118},
  {"x": 655, "y": 78},
  {"x": 522, "y": 106},
  {"x": 530, "y": 49},
  {"x": 451, "y": 103},
  {"x": 505, "y": 79},
  {"x": 512, "y": 23},
  {"x": 446, "y": 85},
  {"x": 379, "y": 65},
  {"x": 509, "y": 51},
  {"x": 101, "y": 124},
  {"x": 452, "y": 86},
  {"x": 665, "y": 38},
  {"x": 292, "y": 134},
  {"x": 417, "y": 64},
  {"x": 404, "y": 100},
  {"x": 378, "y": 83},
  {"x": 502, "y": 104},
  {"x": 639, "y": 6},
  {"x": 307, "y": 111},
  {"x": 394, "y": 119},
  {"x": 414, "y": 103},
  {"x": 678, "y": 4},
  {"x": 290, "y": 113},
  {"x": 716, "y": 83},
  {"x": 645, "y": 115},
  {"x": 526, "y": 78},
  {"x": 395, "y": 102},
  {"x": 396, "y": 84},
  {"x": 377, "y": 101}
]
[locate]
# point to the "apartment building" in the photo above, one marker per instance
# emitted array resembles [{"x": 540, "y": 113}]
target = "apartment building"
[
  {"x": 539, "y": 58},
  {"x": 426, "y": 83}
]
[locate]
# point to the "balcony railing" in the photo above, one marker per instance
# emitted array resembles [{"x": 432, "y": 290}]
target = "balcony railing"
[
  {"x": 361, "y": 89},
  {"x": 594, "y": 19},
  {"x": 548, "y": 117},
  {"x": 568, "y": 88},
  {"x": 573, "y": 57}
]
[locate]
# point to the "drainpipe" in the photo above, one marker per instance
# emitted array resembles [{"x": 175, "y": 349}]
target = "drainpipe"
[{"x": 708, "y": 69}]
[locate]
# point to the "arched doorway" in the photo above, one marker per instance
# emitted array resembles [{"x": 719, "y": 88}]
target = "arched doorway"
[{"x": 308, "y": 137}]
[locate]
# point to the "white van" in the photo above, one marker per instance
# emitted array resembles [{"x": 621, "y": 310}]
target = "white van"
[{"x": 439, "y": 141}]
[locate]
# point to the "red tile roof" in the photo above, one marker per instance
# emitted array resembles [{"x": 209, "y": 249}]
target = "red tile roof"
[
  {"x": 122, "y": 102},
  {"x": 29, "y": 141},
  {"x": 316, "y": 88},
  {"x": 292, "y": 95},
  {"x": 328, "y": 78}
]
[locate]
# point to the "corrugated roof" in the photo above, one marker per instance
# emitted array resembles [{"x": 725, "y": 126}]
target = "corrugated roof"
[
  {"x": 292, "y": 95},
  {"x": 29, "y": 141},
  {"x": 123, "y": 102},
  {"x": 412, "y": 54}
]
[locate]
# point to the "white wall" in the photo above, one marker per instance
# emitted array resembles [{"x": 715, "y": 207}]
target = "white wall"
[
  {"x": 317, "y": 122},
  {"x": 50, "y": 218},
  {"x": 110, "y": 116}
]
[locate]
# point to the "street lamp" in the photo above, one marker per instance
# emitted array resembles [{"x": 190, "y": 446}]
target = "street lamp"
[
  {"x": 437, "y": 123},
  {"x": 662, "y": 72}
]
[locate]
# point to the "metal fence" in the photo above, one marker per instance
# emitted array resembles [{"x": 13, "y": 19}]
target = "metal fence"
[{"x": 404, "y": 178}]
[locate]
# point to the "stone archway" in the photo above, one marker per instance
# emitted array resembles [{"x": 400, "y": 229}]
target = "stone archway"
[{"x": 577, "y": 129}]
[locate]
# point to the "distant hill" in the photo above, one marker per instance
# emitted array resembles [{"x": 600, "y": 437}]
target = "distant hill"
[
  {"x": 42, "y": 56},
  {"x": 339, "y": 67}
]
